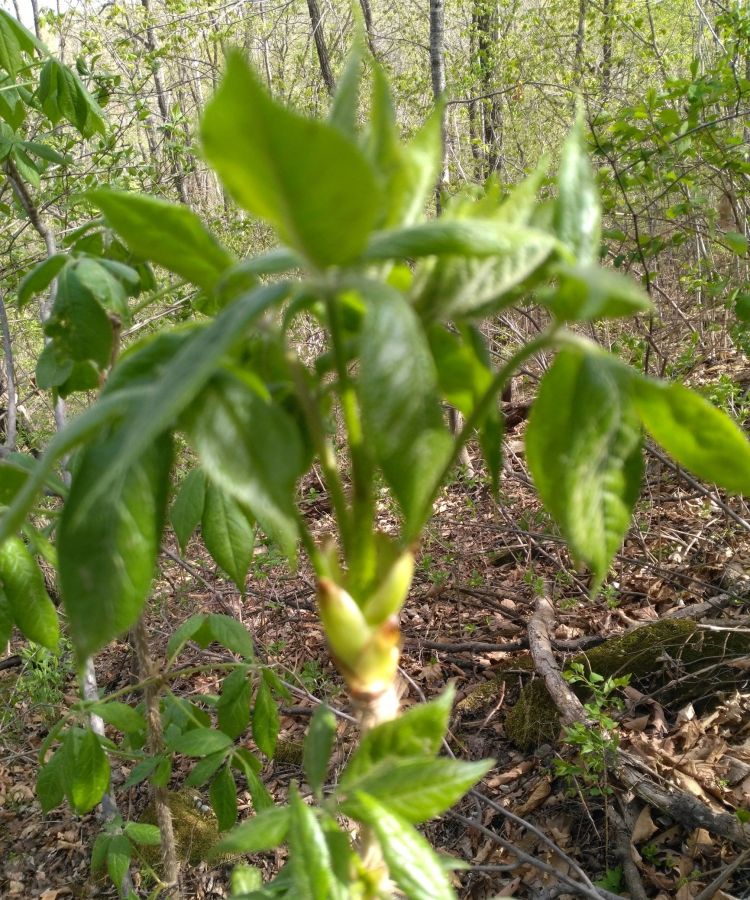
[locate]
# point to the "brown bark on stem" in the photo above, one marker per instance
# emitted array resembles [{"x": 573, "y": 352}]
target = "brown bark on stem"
[{"x": 151, "y": 692}]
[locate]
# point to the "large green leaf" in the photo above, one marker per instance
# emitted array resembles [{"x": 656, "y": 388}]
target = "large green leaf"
[
  {"x": 187, "y": 509},
  {"x": 223, "y": 796},
  {"x": 14, "y": 39},
  {"x": 79, "y": 323},
  {"x": 228, "y": 533},
  {"x": 583, "y": 446},
  {"x": 25, "y": 591},
  {"x": 318, "y": 745},
  {"x": 233, "y": 708},
  {"x": 309, "y": 856},
  {"x": 577, "y": 210},
  {"x": 263, "y": 832},
  {"x": 416, "y": 788},
  {"x": 63, "y": 96},
  {"x": 108, "y": 552},
  {"x": 184, "y": 376},
  {"x": 407, "y": 172},
  {"x": 40, "y": 277},
  {"x": 302, "y": 176},
  {"x": 412, "y": 863},
  {"x": 590, "y": 292},
  {"x": 417, "y": 732},
  {"x": 85, "y": 769},
  {"x": 265, "y": 718},
  {"x": 201, "y": 742},
  {"x": 698, "y": 435},
  {"x": 398, "y": 392},
  {"x": 168, "y": 234},
  {"x": 251, "y": 448}
]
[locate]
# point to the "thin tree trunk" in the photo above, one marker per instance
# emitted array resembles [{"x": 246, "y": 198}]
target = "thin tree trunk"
[
  {"x": 580, "y": 40},
  {"x": 11, "y": 429},
  {"x": 608, "y": 19},
  {"x": 486, "y": 22},
  {"x": 437, "y": 74},
  {"x": 320, "y": 45},
  {"x": 162, "y": 99},
  {"x": 367, "y": 16},
  {"x": 146, "y": 670}
]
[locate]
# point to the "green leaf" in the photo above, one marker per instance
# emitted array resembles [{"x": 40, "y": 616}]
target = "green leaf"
[
  {"x": 223, "y": 796},
  {"x": 246, "y": 879},
  {"x": 398, "y": 392},
  {"x": 204, "y": 769},
  {"x": 233, "y": 707},
  {"x": 49, "y": 782},
  {"x": 244, "y": 761},
  {"x": 407, "y": 172},
  {"x": 141, "y": 772},
  {"x": 168, "y": 234},
  {"x": 231, "y": 634},
  {"x": 251, "y": 448},
  {"x": 194, "y": 628},
  {"x": 85, "y": 769},
  {"x": 6, "y": 622},
  {"x": 26, "y": 593},
  {"x": 44, "y": 151},
  {"x": 99, "y": 852},
  {"x": 53, "y": 366},
  {"x": 309, "y": 857},
  {"x": 183, "y": 378},
  {"x": 418, "y": 789},
  {"x": 12, "y": 478},
  {"x": 228, "y": 533},
  {"x": 63, "y": 95},
  {"x": 118, "y": 858},
  {"x": 697, "y": 434},
  {"x": 265, "y": 719},
  {"x": 122, "y": 716},
  {"x": 265, "y": 831},
  {"x": 102, "y": 284},
  {"x": 187, "y": 509},
  {"x": 577, "y": 209},
  {"x": 85, "y": 376},
  {"x": 14, "y": 38},
  {"x": 586, "y": 293},
  {"x": 482, "y": 238},
  {"x": 737, "y": 242},
  {"x": 40, "y": 277},
  {"x": 322, "y": 200},
  {"x": 318, "y": 746},
  {"x": 201, "y": 742},
  {"x": 412, "y": 863},
  {"x": 419, "y": 731},
  {"x": 79, "y": 322},
  {"x": 107, "y": 554},
  {"x": 583, "y": 446},
  {"x": 141, "y": 833},
  {"x": 345, "y": 103}
]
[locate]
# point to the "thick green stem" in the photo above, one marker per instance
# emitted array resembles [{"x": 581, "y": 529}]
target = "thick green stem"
[{"x": 362, "y": 557}]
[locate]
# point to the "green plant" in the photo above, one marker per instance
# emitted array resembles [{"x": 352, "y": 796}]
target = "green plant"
[
  {"x": 598, "y": 739},
  {"x": 399, "y": 299}
]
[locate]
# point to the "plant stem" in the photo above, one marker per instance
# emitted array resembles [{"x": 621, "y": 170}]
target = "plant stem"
[
  {"x": 151, "y": 693},
  {"x": 362, "y": 559}
]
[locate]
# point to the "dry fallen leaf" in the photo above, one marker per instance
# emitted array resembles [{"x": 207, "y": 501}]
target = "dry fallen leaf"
[
  {"x": 644, "y": 826},
  {"x": 540, "y": 793}
]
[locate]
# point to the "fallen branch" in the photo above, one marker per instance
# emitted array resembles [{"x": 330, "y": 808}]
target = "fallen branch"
[{"x": 678, "y": 805}]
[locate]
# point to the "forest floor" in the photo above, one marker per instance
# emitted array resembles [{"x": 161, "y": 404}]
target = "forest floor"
[{"x": 481, "y": 569}]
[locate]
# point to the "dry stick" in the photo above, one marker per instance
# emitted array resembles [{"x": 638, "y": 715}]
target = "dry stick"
[
  {"x": 147, "y": 671},
  {"x": 629, "y": 869},
  {"x": 89, "y": 688},
  {"x": 712, "y": 889},
  {"x": 684, "y": 809},
  {"x": 10, "y": 380}
]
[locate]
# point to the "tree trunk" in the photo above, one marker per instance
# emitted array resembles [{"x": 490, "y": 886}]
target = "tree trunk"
[
  {"x": 437, "y": 73},
  {"x": 162, "y": 99},
  {"x": 580, "y": 40},
  {"x": 320, "y": 45},
  {"x": 485, "y": 24},
  {"x": 10, "y": 381},
  {"x": 367, "y": 16}
]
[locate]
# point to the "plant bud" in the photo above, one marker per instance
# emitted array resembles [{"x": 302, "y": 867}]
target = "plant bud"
[
  {"x": 389, "y": 595},
  {"x": 344, "y": 625}
]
